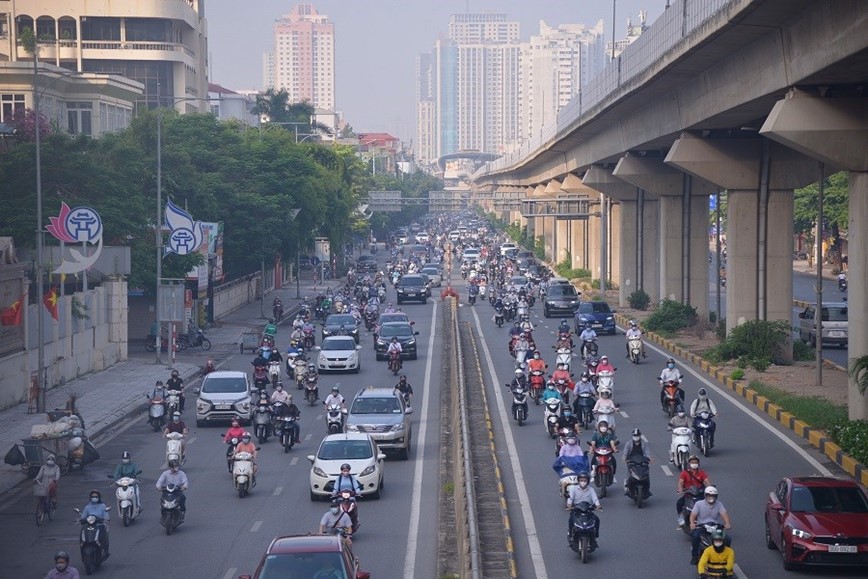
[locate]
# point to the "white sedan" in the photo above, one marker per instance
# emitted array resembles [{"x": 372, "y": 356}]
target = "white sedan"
[
  {"x": 338, "y": 353},
  {"x": 356, "y": 449}
]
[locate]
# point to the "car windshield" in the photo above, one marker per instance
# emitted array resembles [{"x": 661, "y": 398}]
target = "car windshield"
[
  {"x": 828, "y": 500},
  {"x": 345, "y": 450},
  {"x": 408, "y": 281},
  {"x": 342, "y": 344},
  {"x": 399, "y": 330},
  {"x": 834, "y": 314},
  {"x": 218, "y": 385},
  {"x": 430, "y": 271},
  {"x": 385, "y": 318},
  {"x": 519, "y": 280},
  {"x": 341, "y": 319},
  {"x": 561, "y": 290},
  {"x": 385, "y": 405},
  {"x": 285, "y": 565},
  {"x": 367, "y": 258},
  {"x": 593, "y": 307}
]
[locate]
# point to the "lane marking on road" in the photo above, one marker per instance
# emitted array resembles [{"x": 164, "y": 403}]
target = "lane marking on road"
[
  {"x": 416, "y": 506},
  {"x": 307, "y": 436},
  {"x": 255, "y": 526},
  {"x": 277, "y": 490},
  {"x": 624, "y": 414},
  {"x": 191, "y": 441},
  {"x": 230, "y": 574},
  {"x": 739, "y": 572},
  {"x": 644, "y": 439},
  {"x": 755, "y": 417},
  {"x": 539, "y": 564},
  {"x": 294, "y": 461},
  {"x": 666, "y": 470}
]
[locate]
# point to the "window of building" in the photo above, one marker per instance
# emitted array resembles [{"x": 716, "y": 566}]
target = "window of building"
[
  {"x": 149, "y": 29},
  {"x": 78, "y": 115},
  {"x": 10, "y": 105},
  {"x": 93, "y": 28}
]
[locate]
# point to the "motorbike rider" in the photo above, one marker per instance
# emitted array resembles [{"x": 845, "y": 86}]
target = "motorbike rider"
[
  {"x": 346, "y": 481},
  {"x": 292, "y": 352},
  {"x": 98, "y": 509},
  {"x": 175, "y": 476},
  {"x": 537, "y": 364},
  {"x": 603, "y": 437},
  {"x": 521, "y": 345},
  {"x": 290, "y": 409},
  {"x": 127, "y": 468},
  {"x": 583, "y": 386},
  {"x": 678, "y": 421},
  {"x": 692, "y": 477},
  {"x": 335, "y": 398},
  {"x": 704, "y": 404},
  {"x": 235, "y": 431},
  {"x": 633, "y": 333},
  {"x": 404, "y": 388},
  {"x": 247, "y": 446},
  {"x": 583, "y": 492},
  {"x": 569, "y": 421},
  {"x": 551, "y": 392},
  {"x": 335, "y": 518},
  {"x": 519, "y": 379},
  {"x": 670, "y": 372},
  {"x": 280, "y": 395},
  {"x": 270, "y": 329},
  {"x": 707, "y": 512},
  {"x": 260, "y": 361},
  {"x": 679, "y": 394},
  {"x": 606, "y": 406},
  {"x": 604, "y": 366},
  {"x": 564, "y": 327},
  {"x": 588, "y": 335},
  {"x": 275, "y": 356},
  {"x": 717, "y": 560},
  {"x": 177, "y": 425},
  {"x": 394, "y": 347},
  {"x": 277, "y": 306},
  {"x": 62, "y": 570},
  {"x": 175, "y": 385},
  {"x": 159, "y": 391},
  {"x": 515, "y": 330},
  {"x": 636, "y": 450},
  {"x": 842, "y": 281}
]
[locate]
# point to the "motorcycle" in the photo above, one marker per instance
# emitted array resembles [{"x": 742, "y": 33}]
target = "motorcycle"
[
  {"x": 171, "y": 516},
  {"x": 564, "y": 388},
  {"x": 173, "y": 402},
  {"x": 311, "y": 389},
  {"x": 551, "y": 415},
  {"x": 300, "y": 371},
  {"x": 564, "y": 356},
  {"x": 583, "y": 535},
  {"x": 519, "y": 403},
  {"x": 370, "y": 320},
  {"x": 537, "y": 385},
  {"x": 511, "y": 312},
  {"x": 260, "y": 378},
  {"x": 128, "y": 506},
  {"x": 395, "y": 363},
  {"x": 842, "y": 285},
  {"x": 335, "y": 419},
  {"x": 349, "y": 505},
  {"x": 194, "y": 338},
  {"x": 634, "y": 345},
  {"x": 671, "y": 398},
  {"x": 591, "y": 363},
  {"x": 498, "y": 316},
  {"x": 92, "y": 552},
  {"x": 608, "y": 414},
  {"x": 606, "y": 379},
  {"x": 242, "y": 473},
  {"x": 173, "y": 447},
  {"x": 471, "y": 294},
  {"x": 274, "y": 373},
  {"x": 277, "y": 311},
  {"x": 638, "y": 482},
  {"x": 681, "y": 442},
  {"x": 691, "y": 496},
  {"x": 604, "y": 471},
  {"x": 520, "y": 357},
  {"x": 287, "y": 435},
  {"x": 262, "y": 422},
  {"x": 589, "y": 349},
  {"x": 702, "y": 431},
  {"x": 156, "y": 412}
]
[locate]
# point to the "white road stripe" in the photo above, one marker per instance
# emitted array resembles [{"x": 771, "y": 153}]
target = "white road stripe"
[
  {"x": 294, "y": 461},
  {"x": 255, "y": 526},
  {"x": 644, "y": 439},
  {"x": 191, "y": 441},
  {"x": 230, "y": 574},
  {"x": 307, "y": 436},
  {"x": 277, "y": 491},
  {"x": 739, "y": 572},
  {"x": 539, "y": 564},
  {"x": 666, "y": 470},
  {"x": 624, "y": 414},
  {"x": 415, "y": 509}
]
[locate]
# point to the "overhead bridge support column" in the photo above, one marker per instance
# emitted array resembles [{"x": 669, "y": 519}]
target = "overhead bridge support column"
[{"x": 834, "y": 131}]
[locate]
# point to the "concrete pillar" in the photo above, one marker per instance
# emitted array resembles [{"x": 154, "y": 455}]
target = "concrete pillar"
[
  {"x": 628, "y": 252},
  {"x": 562, "y": 247},
  {"x": 670, "y": 248},
  {"x": 650, "y": 225},
  {"x": 615, "y": 245},
  {"x": 857, "y": 274}
]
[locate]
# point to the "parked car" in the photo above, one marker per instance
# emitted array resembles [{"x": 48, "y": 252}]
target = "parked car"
[
  {"x": 818, "y": 521},
  {"x": 596, "y": 314},
  {"x": 305, "y": 555},
  {"x": 561, "y": 299},
  {"x": 406, "y": 337},
  {"x": 354, "y": 448},
  {"x": 834, "y": 324},
  {"x": 381, "y": 412},
  {"x": 412, "y": 287},
  {"x": 223, "y": 395},
  {"x": 338, "y": 353}
]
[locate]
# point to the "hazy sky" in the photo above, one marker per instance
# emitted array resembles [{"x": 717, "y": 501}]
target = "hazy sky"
[{"x": 377, "y": 41}]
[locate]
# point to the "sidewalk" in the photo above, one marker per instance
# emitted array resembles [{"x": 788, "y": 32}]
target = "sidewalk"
[
  {"x": 110, "y": 396},
  {"x": 801, "y": 266}
]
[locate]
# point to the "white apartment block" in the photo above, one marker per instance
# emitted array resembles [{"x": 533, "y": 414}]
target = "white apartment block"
[
  {"x": 161, "y": 44},
  {"x": 303, "y": 59}
]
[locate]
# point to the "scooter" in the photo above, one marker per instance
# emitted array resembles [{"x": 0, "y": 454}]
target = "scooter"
[
  {"x": 604, "y": 471},
  {"x": 311, "y": 389},
  {"x": 300, "y": 369},
  {"x": 171, "y": 516},
  {"x": 702, "y": 431},
  {"x": 128, "y": 506},
  {"x": 90, "y": 542},
  {"x": 498, "y": 316},
  {"x": 586, "y": 409},
  {"x": 350, "y": 506},
  {"x": 335, "y": 419},
  {"x": 564, "y": 356},
  {"x": 607, "y": 414},
  {"x": 634, "y": 345},
  {"x": 606, "y": 379},
  {"x": 519, "y": 403},
  {"x": 583, "y": 535},
  {"x": 287, "y": 436},
  {"x": 691, "y": 496},
  {"x": 262, "y": 422},
  {"x": 551, "y": 415},
  {"x": 520, "y": 357},
  {"x": 681, "y": 443},
  {"x": 173, "y": 402},
  {"x": 260, "y": 378},
  {"x": 156, "y": 413},
  {"x": 537, "y": 384},
  {"x": 274, "y": 373},
  {"x": 173, "y": 447},
  {"x": 638, "y": 482},
  {"x": 242, "y": 473},
  {"x": 395, "y": 363},
  {"x": 589, "y": 349},
  {"x": 671, "y": 398}
]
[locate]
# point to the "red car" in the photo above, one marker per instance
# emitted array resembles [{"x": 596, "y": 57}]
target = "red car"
[
  {"x": 818, "y": 521},
  {"x": 307, "y": 555}
]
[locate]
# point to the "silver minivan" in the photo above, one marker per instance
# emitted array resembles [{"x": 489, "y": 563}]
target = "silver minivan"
[
  {"x": 224, "y": 395},
  {"x": 834, "y": 324}
]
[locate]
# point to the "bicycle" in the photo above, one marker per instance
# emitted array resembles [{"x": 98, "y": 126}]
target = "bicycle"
[{"x": 46, "y": 505}]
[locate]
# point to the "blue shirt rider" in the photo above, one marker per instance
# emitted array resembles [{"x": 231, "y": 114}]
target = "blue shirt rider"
[
  {"x": 551, "y": 392},
  {"x": 346, "y": 481}
]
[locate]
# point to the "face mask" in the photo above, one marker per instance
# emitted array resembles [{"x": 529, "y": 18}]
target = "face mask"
[
  {"x": 94, "y": 500},
  {"x": 335, "y": 510},
  {"x": 694, "y": 465},
  {"x": 176, "y": 419},
  {"x": 670, "y": 366},
  {"x": 718, "y": 547},
  {"x": 49, "y": 462},
  {"x": 637, "y": 438},
  {"x": 583, "y": 483},
  {"x": 125, "y": 461},
  {"x": 60, "y": 567}
]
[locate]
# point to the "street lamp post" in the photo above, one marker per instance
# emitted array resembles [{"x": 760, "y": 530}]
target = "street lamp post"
[
  {"x": 294, "y": 212},
  {"x": 40, "y": 330}
]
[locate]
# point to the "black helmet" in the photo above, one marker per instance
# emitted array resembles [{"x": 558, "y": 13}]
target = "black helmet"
[
  {"x": 679, "y": 409},
  {"x": 61, "y": 555},
  {"x": 703, "y": 392},
  {"x": 174, "y": 464},
  {"x": 126, "y": 455},
  {"x": 637, "y": 432},
  {"x": 670, "y": 360},
  {"x": 346, "y": 466},
  {"x": 584, "y": 475}
]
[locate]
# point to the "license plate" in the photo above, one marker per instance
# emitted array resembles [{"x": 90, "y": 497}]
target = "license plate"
[
  {"x": 836, "y": 334},
  {"x": 409, "y": 295},
  {"x": 843, "y": 548},
  {"x": 222, "y": 406},
  {"x": 597, "y": 325}
]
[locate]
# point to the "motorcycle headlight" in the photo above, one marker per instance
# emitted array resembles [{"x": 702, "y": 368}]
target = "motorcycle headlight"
[
  {"x": 369, "y": 470},
  {"x": 319, "y": 472}
]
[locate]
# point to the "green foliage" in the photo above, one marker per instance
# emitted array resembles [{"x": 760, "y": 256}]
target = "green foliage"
[
  {"x": 565, "y": 269},
  {"x": 852, "y": 437},
  {"x": 759, "y": 342},
  {"x": 835, "y": 203},
  {"x": 720, "y": 329},
  {"x": 859, "y": 372},
  {"x": 639, "y": 300},
  {"x": 737, "y": 374},
  {"x": 802, "y": 352},
  {"x": 671, "y": 316},
  {"x": 28, "y": 40},
  {"x": 816, "y": 411},
  {"x": 539, "y": 247}
]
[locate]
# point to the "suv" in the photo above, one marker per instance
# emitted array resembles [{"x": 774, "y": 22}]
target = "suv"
[
  {"x": 305, "y": 556},
  {"x": 561, "y": 298},
  {"x": 366, "y": 263},
  {"x": 224, "y": 395},
  {"x": 834, "y": 324},
  {"x": 381, "y": 413},
  {"x": 412, "y": 287}
]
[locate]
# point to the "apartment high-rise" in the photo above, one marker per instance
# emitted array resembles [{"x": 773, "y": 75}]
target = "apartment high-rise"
[{"x": 303, "y": 60}]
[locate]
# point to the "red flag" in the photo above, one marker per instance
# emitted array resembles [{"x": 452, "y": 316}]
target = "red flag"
[
  {"x": 13, "y": 315},
  {"x": 50, "y": 302}
]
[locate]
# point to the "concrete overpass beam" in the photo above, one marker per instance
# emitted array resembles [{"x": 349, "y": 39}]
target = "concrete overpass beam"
[{"x": 830, "y": 129}]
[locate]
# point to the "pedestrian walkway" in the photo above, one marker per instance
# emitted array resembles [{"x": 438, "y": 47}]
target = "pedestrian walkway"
[
  {"x": 105, "y": 398},
  {"x": 801, "y": 266}
]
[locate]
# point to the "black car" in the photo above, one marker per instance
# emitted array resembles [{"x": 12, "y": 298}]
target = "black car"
[
  {"x": 333, "y": 323},
  {"x": 412, "y": 287},
  {"x": 406, "y": 337},
  {"x": 305, "y": 262},
  {"x": 366, "y": 264},
  {"x": 561, "y": 298}
]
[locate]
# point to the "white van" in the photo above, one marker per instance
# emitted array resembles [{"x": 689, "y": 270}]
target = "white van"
[{"x": 834, "y": 324}]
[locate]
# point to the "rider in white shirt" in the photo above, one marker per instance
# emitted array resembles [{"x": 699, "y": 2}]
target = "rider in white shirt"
[
  {"x": 634, "y": 332},
  {"x": 394, "y": 346}
]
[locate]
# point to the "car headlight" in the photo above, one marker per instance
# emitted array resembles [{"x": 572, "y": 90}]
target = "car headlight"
[
  {"x": 801, "y": 534},
  {"x": 609, "y": 318},
  {"x": 398, "y": 427},
  {"x": 381, "y": 343},
  {"x": 410, "y": 342},
  {"x": 243, "y": 406},
  {"x": 352, "y": 428},
  {"x": 319, "y": 472},
  {"x": 203, "y": 406},
  {"x": 574, "y": 302},
  {"x": 583, "y": 319},
  {"x": 551, "y": 303},
  {"x": 353, "y": 356},
  {"x": 369, "y": 470}
]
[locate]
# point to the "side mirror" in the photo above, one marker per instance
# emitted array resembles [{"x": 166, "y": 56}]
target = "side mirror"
[
  {"x": 774, "y": 503},
  {"x": 381, "y": 456},
  {"x": 802, "y": 315},
  {"x": 195, "y": 391},
  {"x": 111, "y": 476},
  {"x": 408, "y": 410},
  {"x": 412, "y": 323},
  {"x": 358, "y": 346},
  {"x": 362, "y": 574},
  {"x": 415, "y": 333},
  {"x": 317, "y": 348},
  {"x": 311, "y": 458}
]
